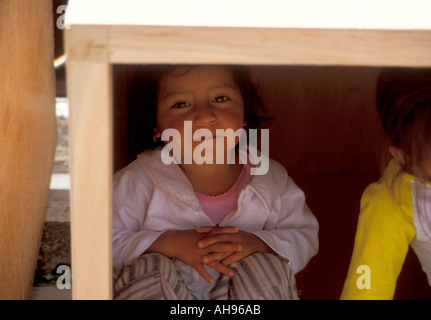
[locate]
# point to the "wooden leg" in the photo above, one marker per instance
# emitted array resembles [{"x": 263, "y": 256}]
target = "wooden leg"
[
  {"x": 91, "y": 147},
  {"x": 27, "y": 138}
]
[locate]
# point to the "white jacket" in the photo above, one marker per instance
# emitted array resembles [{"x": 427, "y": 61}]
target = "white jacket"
[{"x": 151, "y": 197}]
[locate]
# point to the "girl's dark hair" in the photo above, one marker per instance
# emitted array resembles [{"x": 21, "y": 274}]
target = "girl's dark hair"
[
  {"x": 404, "y": 105},
  {"x": 142, "y": 102}
]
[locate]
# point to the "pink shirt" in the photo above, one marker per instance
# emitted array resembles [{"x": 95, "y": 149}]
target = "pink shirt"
[{"x": 218, "y": 207}]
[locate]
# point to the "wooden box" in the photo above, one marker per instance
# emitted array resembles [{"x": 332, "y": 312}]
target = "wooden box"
[{"x": 291, "y": 42}]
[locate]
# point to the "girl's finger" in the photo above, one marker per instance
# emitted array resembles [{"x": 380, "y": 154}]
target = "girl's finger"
[
  {"x": 217, "y": 256},
  {"x": 223, "y": 247},
  {"x": 200, "y": 268},
  {"x": 221, "y": 268},
  {"x": 218, "y": 239},
  {"x": 217, "y": 229},
  {"x": 204, "y": 229},
  {"x": 234, "y": 257}
]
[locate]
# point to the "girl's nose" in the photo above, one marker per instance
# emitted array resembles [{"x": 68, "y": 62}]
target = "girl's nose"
[{"x": 205, "y": 115}]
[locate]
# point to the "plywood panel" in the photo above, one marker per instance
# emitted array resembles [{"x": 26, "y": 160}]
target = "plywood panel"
[{"x": 325, "y": 119}]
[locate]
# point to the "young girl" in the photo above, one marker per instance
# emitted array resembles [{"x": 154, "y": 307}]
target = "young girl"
[
  {"x": 205, "y": 231},
  {"x": 396, "y": 211}
]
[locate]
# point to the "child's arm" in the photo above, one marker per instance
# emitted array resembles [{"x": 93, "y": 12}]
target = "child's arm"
[
  {"x": 182, "y": 245},
  {"x": 291, "y": 230},
  {"x": 382, "y": 239}
]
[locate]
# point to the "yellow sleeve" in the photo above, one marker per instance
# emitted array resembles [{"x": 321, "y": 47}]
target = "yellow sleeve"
[{"x": 384, "y": 232}]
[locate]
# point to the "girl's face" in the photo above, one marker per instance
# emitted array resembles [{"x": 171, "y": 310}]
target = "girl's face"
[{"x": 205, "y": 95}]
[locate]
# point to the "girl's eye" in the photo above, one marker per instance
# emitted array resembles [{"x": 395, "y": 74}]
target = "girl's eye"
[
  {"x": 181, "y": 104},
  {"x": 221, "y": 99}
]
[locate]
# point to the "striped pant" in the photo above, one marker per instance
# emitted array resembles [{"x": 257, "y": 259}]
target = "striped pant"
[{"x": 259, "y": 276}]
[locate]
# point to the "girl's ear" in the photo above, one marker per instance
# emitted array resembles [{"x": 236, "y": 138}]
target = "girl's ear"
[
  {"x": 398, "y": 154},
  {"x": 156, "y": 134}
]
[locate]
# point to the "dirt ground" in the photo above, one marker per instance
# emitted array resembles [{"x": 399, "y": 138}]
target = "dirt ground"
[
  {"x": 55, "y": 242},
  {"x": 61, "y": 164}
]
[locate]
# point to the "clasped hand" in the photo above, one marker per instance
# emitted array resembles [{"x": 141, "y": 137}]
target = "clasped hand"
[{"x": 216, "y": 247}]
